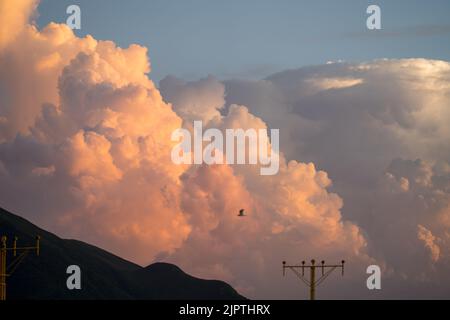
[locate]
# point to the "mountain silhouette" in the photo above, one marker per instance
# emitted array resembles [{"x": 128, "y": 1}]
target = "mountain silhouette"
[{"x": 103, "y": 275}]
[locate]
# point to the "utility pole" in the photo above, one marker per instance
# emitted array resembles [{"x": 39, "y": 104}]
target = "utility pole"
[
  {"x": 7, "y": 270},
  {"x": 312, "y": 283}
]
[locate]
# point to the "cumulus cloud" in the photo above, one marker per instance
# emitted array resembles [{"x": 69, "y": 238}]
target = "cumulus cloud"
[
  {"x": 85, "y": 152},
  {"x": 380, "y": 130},
  {"x": 84, "y": 141}
]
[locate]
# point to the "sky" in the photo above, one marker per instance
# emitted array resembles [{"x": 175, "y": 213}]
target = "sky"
[
  {"x": 87, "y": 120},
  {"x": 252, "y": 39}
]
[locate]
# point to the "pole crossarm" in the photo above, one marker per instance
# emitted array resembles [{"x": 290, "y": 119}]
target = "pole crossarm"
[
  {"x": 299, "y": 271},
  {"x": 325, "y": 275},
  {"x": 15, "y": 263},
  {"x": 300, "y": 276}
]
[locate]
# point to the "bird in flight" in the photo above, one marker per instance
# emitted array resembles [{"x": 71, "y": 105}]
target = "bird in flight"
[{"x": 241, "y": 213}]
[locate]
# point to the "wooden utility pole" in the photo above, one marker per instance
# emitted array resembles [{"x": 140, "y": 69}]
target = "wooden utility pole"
[
  {"x": 7, "y": 270},
  {"x": 312, "y": 283}
]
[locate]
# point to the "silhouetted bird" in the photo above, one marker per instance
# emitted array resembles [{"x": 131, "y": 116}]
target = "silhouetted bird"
[{"x": 241, "y": 213}]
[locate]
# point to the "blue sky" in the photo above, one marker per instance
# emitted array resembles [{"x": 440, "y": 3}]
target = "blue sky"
[{"x": 252, "y": 39}]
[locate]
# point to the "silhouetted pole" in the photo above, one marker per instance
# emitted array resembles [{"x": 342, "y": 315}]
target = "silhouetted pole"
[
  {"x": 313, "y": 283},
  {"x": 7, "y": 270},
  {"x": 312, "y": 287}
]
